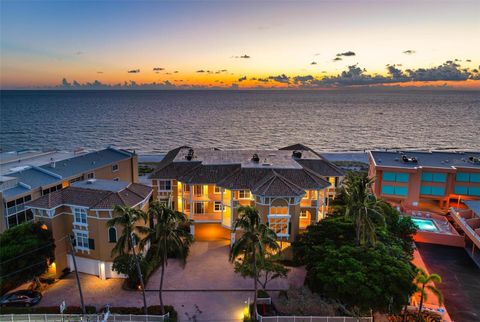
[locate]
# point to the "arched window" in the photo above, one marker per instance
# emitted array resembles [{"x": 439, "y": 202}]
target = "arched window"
[{"x": 112, "y": 235}]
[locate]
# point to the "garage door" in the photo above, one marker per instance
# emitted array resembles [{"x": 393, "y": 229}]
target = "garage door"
[{"x": 211, "y": 232}]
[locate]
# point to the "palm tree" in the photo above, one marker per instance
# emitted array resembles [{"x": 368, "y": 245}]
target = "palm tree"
[
  {"x": 127, "y": 218},
  {"x": 168, "y": 236},
  {"x": 256, "y": 237},
  {"x": 361, "y": 206},
  {"x": 425, "y": 281}
]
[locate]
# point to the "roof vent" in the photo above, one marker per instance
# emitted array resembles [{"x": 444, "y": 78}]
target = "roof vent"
[
  {"x": 407, "y": 159},
  {"x": 297, "y": 154},
  {"x": 475, "y": 160},
  {"x": 255, "y": 158},
  {"x": 189, "y": 155},
  {"x": 91, "y": 181}
]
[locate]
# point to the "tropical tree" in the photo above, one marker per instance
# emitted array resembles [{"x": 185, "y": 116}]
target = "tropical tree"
[
  {"x": 26, "y": 250},
  {"x": 257, "y": 238},
  {"x": 127, "y": 218},
  {"x": 425, "y": 282},
  {"x": 362, "y": 207},
  {"x": 268, "y": 269},
  {"x": 168, "y": 236}
]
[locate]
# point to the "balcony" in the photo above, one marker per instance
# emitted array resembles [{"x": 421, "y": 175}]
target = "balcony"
[
  {"x": 207, "y": 217},
  {"x": 309, "y": 203},
  {"x": 469, "y": 223},
  {"x": 14, "y": 209}
]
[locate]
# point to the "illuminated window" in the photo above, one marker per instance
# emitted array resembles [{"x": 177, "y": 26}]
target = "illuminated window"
[
  {"x": 279, "y": 224},
  {"x": 243, "y": 194},
  {"x": 164, "y": 185},
  {"x": 80, "y": 216},
  {"x": 198, "y": 190},
  {"x": 199, "y": 207},
  {"x": 217, "y": 206}
]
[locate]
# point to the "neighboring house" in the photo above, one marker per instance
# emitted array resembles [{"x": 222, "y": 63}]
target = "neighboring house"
[
  {"x": 290, "y": 187},
  {"x": 83, "y": 209},
  {"x": 29, "y": 182},
  {"x": 432, "y": 181}
]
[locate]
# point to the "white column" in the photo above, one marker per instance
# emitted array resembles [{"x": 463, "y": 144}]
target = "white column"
[
  {"x": 191, "y": 201},
  {"x": 101, "y": 270},
  {"x": 318, "y": 206}
]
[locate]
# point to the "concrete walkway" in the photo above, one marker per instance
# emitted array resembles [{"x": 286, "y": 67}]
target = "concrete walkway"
[{"x": 202, "y": 289}]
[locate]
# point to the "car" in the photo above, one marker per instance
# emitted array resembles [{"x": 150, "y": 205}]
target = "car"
[{"x": 21, "y": 298}]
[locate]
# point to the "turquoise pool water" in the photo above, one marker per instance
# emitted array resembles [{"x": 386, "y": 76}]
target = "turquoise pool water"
[{"x": 425, "y": 224}]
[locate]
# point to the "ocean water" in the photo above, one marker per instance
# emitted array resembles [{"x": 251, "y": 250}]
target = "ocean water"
[{"x": 156, "y": 121}]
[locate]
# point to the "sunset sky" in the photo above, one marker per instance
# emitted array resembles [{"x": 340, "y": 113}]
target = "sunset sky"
[{"x": 248, "y": 44}]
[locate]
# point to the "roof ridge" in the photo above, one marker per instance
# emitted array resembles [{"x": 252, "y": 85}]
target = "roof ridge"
[
  {"x": 128, "y": 188},
  {"x": 288, "y": 182},
  {"x": 107, "y": 196},
  {"x": 312, "y": 173}
]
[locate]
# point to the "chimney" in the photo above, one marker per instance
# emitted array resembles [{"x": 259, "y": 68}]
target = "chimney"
[{"x": 52, "y": 163}]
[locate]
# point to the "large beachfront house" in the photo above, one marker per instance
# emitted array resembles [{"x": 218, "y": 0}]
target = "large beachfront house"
[
  {"x": 28, "y": 178},
  {"x": 83, "y": 209},
  {"x": 431, "y": 181},
  {"x": 290, "y": 187}
]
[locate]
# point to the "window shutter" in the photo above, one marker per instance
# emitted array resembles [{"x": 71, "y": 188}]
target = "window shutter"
[{"x": 91, "y": 244}]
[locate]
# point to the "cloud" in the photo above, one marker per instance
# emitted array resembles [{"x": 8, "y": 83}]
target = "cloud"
[
  {"x": 409, "y": 52},
  {"x": 468, "y": 60},
  {"x": 241, "y": 79},
  {"x": 280, "y": 78},
  {"x": 346, "y": 54},
  {"x": 157, "y": 69},
  {"x": 134, "y": 71},
  {"x": 303, "y": 79},
  {"x": 175, "y": 71},
  {"x": 200, "y": 71},
  {"x": 313, "y": 63},
  {"x": 337, "y": 59},
  {"x": 78, "y": 53},
  {"x": 221, "y": 71},
  {"x": 99, "y": 72},
  {"x": 243, "y": 56}
]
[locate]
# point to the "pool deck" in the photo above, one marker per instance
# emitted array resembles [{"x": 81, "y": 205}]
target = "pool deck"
[{"x": 461, "y": 279}]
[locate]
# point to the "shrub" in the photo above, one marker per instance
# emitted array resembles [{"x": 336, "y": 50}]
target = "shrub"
[
  {"x": 153, "y": 309},
  {"x": 261, "y": 294}
]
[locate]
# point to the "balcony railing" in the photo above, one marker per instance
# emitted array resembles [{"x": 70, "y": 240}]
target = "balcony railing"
[
  {"x": 15, "y": 209},
  {"x": 215, "y": 216},
  {"x": 466, "y": 227}
]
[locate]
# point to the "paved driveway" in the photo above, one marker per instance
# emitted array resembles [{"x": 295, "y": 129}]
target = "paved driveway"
[{"x": 206, "y": 287}]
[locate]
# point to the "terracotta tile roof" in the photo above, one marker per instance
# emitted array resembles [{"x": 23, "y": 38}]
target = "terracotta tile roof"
[
  {"x": 236, "y": 169},
  {"x": 277, "y": 185},
  {"x": 208, "y": 174},
  {"x": 244, "y": 178},
  {"x": 322, "y": 167},
  {"x": 93, "y": 198}
]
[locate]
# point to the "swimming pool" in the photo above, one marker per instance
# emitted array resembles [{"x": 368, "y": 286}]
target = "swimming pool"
[{"x": 425, "y": 224}]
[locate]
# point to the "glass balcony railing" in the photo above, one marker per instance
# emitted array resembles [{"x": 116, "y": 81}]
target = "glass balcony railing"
[{"x": 15, "y": 209}]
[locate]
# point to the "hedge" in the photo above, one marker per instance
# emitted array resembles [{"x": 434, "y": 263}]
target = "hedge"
[{"x": 153, "y": 310}]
